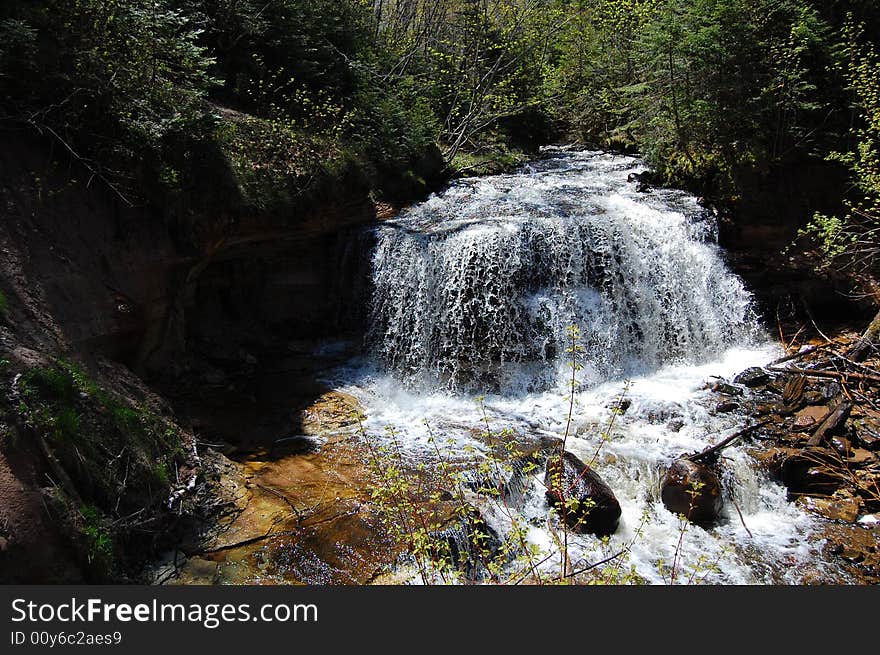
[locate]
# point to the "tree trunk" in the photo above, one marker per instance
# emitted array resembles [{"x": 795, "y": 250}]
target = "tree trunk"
[{"x": 867, "y": 341}]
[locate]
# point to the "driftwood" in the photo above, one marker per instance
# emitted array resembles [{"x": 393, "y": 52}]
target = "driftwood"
[
  {"x": 803, "y": 353},
  {"x": 834, "y": 375},
  {"x": 836, "y": 418},
  {"x": 696, "y": 457}
]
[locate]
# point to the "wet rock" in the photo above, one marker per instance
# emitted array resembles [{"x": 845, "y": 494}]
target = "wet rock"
[
  {"x": 819, "y": 480},
  {"x": 842, "y": 445},
  {"x": 868, "y": 434},
  {"x": 870, "y": 521},
  {"x": 675, "y": 425},
  {"x": 469, "y": 545},
  {"x": 814, "y": 397},
  {"x": 658, "y": 415},
  {"x": 726, "y": 389},
  {"x": 804, "y": 470},
  {"x": 860, "y": 457},
  {"x": 752, "y": 377},
  {"x": 836, "y": 509},
  {"x": 331, "y": 412},
  {"x": 726, "y": 407},
  {"x": 830, "y": 391},
  {"x": 800, "y": 438},
  {"x": 765, "y": 409},
  {"x": 855, "y": 548},
  {"x": 692, "y": 490},
  {"x": 641, "y": 182},
  {"x": 587, "y": 504},
  {"x": 811, "y": 415}
]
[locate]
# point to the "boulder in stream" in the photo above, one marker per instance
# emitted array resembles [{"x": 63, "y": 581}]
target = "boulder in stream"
[
  {"x": 752, "y": 377},
  {"x": 692, "y": 490},
  {"x": 576, "y": 491}
]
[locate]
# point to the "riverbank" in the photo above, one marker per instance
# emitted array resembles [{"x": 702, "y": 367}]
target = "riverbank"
[{"x": 820, "y": 438}]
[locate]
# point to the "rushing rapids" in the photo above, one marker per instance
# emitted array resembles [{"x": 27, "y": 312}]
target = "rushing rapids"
[{"x": 473, "y": 291}]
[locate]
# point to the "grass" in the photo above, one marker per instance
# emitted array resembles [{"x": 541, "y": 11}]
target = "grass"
[
  {"x": 98, "y": 537},
  {"x": 120, "y": 457}
]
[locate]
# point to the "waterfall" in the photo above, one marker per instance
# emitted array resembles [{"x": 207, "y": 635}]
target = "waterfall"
[{"x": 474, "y": 289}]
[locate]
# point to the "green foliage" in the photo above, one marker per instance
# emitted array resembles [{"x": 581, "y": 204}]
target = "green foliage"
[
  {"x": 853, "y": 240},
  {"x": 717, "y": 94},
  {"x": 119, "y": 81},
  {"x": 99, "y": 540},
  {"x": 115, "y": 457}
]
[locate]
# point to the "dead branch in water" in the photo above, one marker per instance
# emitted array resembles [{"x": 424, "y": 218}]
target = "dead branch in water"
[
  {"x": 725, "y": 443},
  {"x": 803, "y": 353}
]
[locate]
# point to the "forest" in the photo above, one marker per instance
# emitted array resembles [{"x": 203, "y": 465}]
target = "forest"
[
  {"x": 718, "y": 95},
  {"x": 202, "y": 199}
]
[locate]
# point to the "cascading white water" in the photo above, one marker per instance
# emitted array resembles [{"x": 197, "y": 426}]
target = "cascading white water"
[
  {"x": 474, "y": 288},
  {"x": 473, "y": 291}
]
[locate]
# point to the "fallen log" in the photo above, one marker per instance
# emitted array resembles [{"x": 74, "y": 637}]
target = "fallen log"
[
  {"x": 866, "y": 342},
  {"x": 845, "y": 377}
]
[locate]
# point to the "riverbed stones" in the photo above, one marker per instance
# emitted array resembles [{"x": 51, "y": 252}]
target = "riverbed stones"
[
  {"x": 726, "y": 389},
  {"x": 860, "y": 457},
  {"x": 811, "y": 415},
  {"x": 692, "y": 490},
  {"x": 868, "y": 433},
  {"x": 835, "y": 508},
  {"x": 580, "y": 496},
  {"x": 842, "y": 445},
  {"x": 752, "y": 377},
  {"x": 804, "y": 470},
  {"x": 675, "y": 425}
]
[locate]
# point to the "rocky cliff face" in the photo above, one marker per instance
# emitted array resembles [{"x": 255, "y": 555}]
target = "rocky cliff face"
[
  {"x": 135, "y": 284},
  {"x": 171, "y": 294}
]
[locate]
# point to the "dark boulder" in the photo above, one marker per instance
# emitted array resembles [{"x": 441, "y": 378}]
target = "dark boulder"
[
  {"x": 752, "y": 377},
  {"x": 692, "y": 490},
  {"x": 580, "y": 496},
  {"x": 726, "y": 389},
  {"x": 642, "y": 182}
]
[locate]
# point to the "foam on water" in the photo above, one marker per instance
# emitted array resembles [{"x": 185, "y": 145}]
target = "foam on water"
[{"x": 472, "y": 293}]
